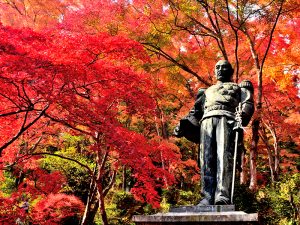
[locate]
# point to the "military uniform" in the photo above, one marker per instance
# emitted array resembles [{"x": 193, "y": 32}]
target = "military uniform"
[{"x": 213, "y": 116}]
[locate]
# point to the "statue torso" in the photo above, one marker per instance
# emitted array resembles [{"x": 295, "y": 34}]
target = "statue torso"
[{"x": 222, "y": 99}]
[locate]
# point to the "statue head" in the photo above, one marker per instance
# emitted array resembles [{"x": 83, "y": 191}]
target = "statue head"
[{"x": 223, "y": 71}]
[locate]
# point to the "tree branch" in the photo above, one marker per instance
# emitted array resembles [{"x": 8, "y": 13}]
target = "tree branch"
[
  {"x": 111, "y": 183},
  {"x": 271, "y": 35},
  {"x": 159, "y": 51},
  {"x": 23, "y": 129},
  {"x": 28, "y": 156}
]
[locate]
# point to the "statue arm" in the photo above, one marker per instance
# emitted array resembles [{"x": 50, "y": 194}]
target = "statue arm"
[
  {"x": 247, "y": 101},
  {"x": 189, "y": 125},
  {"x": 197, "y": 110}
]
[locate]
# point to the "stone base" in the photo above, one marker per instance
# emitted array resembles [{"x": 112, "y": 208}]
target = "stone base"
[
  {"x": 203, "y": 208},
  {"x": 201, "y": 218}
]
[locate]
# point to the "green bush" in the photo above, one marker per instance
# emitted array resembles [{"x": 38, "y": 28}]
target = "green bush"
[
  {"x": 178, "y": 197},
  {"x": 245, "y": 199},
  {"x": 121, "y": 206},
  {"x": 280, "y": 202}
]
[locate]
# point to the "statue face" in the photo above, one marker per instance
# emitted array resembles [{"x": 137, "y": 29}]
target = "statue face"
[{"x": 223, "y": 71}]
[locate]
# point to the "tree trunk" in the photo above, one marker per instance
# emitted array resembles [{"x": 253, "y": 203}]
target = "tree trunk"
[
  {"x": 102, "y": 155},
  {"x": 274, "y": 158},
  {"x": 243, "y": 174},
  {"x": 271, "y": 158},
  {"x": 85, "y": 214},
  {"x": 253, "y": 153},
  {"x": 89, "y": 216},
  {"x": 164, "y": 126},
  {"x": 276, "y": 152},
  {"x": 256, "y": 122},
  {"x": 124, "y": 178},
  {"x": 92, "y": 205},
  {"x": 164, "y": 135},
  {"x": 102, "y": 204},
  {"x": 271, "y": 163}
]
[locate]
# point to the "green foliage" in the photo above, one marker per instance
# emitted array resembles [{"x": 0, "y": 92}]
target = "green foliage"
[
  {"x": 78, "y": 179},
  {"x": 245, "y": 199},
  {"x": 164, "y": 205},
  {"x": 188, "y": 149},
  {"x": 188, "y": 198},
  {"x": 123, "y": 206},
  {"x": 8, "y": 184},
  {"x": 178, "y": 197},
  {"x": 123, "y": 200},
  {"x": 280, "y": 203}
]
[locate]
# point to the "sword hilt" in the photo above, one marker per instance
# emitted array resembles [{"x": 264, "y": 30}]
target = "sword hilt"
[{"x": 238, "y": 117}]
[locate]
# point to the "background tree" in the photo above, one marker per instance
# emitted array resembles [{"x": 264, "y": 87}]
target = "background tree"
[{"x": 92, "y": 84}]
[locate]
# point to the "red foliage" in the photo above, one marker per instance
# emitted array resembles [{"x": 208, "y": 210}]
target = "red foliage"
[
  {"x": 55, "y": 209},
  {"x": 84, "y": 82},
  {"x": 39, "y": 182},
  {"x": 9, "y": 211},
  {"x": 72, "y": 81}
]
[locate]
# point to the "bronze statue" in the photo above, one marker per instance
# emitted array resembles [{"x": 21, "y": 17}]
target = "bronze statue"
[{"x": 211, "y": 123}]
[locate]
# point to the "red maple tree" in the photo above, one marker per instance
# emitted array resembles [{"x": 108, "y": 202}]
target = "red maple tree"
[{"x": 84, "y": 83}]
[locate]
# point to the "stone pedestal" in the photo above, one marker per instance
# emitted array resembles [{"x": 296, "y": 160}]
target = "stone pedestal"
[
  {"x": 202, "y": 215},
  {"x": 202, "y": 208}
]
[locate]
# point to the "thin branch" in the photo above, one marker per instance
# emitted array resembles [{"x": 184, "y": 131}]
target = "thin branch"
[
  {"x": 14, "y": 113},
  {"x": 14, "y": 6},
  {"x": 25, "y": 157},
  {"x": 67, "y": 124},
  {"x": 236, "y": 39},
  {"x": 23, "y": 129},
  {"x": 111, "y": 183},
  {"x": 271, "y": 35},
  {"x": 216, "y": 27},
  {"x": 270, "y": 156},
  {"x": 159, "y": 51},
  {"x": 102, "y": 162}
]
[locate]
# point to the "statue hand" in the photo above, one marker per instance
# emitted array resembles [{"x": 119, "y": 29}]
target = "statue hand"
[{"x": 177, "y": 132}]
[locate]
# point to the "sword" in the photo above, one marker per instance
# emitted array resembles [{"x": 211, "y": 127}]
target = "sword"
[{"x": 238, "y": 118}]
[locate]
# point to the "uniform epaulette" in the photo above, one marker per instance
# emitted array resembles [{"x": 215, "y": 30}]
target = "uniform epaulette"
[
  {"x": 200, "y": 92},
  {"x": 247, "y": 84}
]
